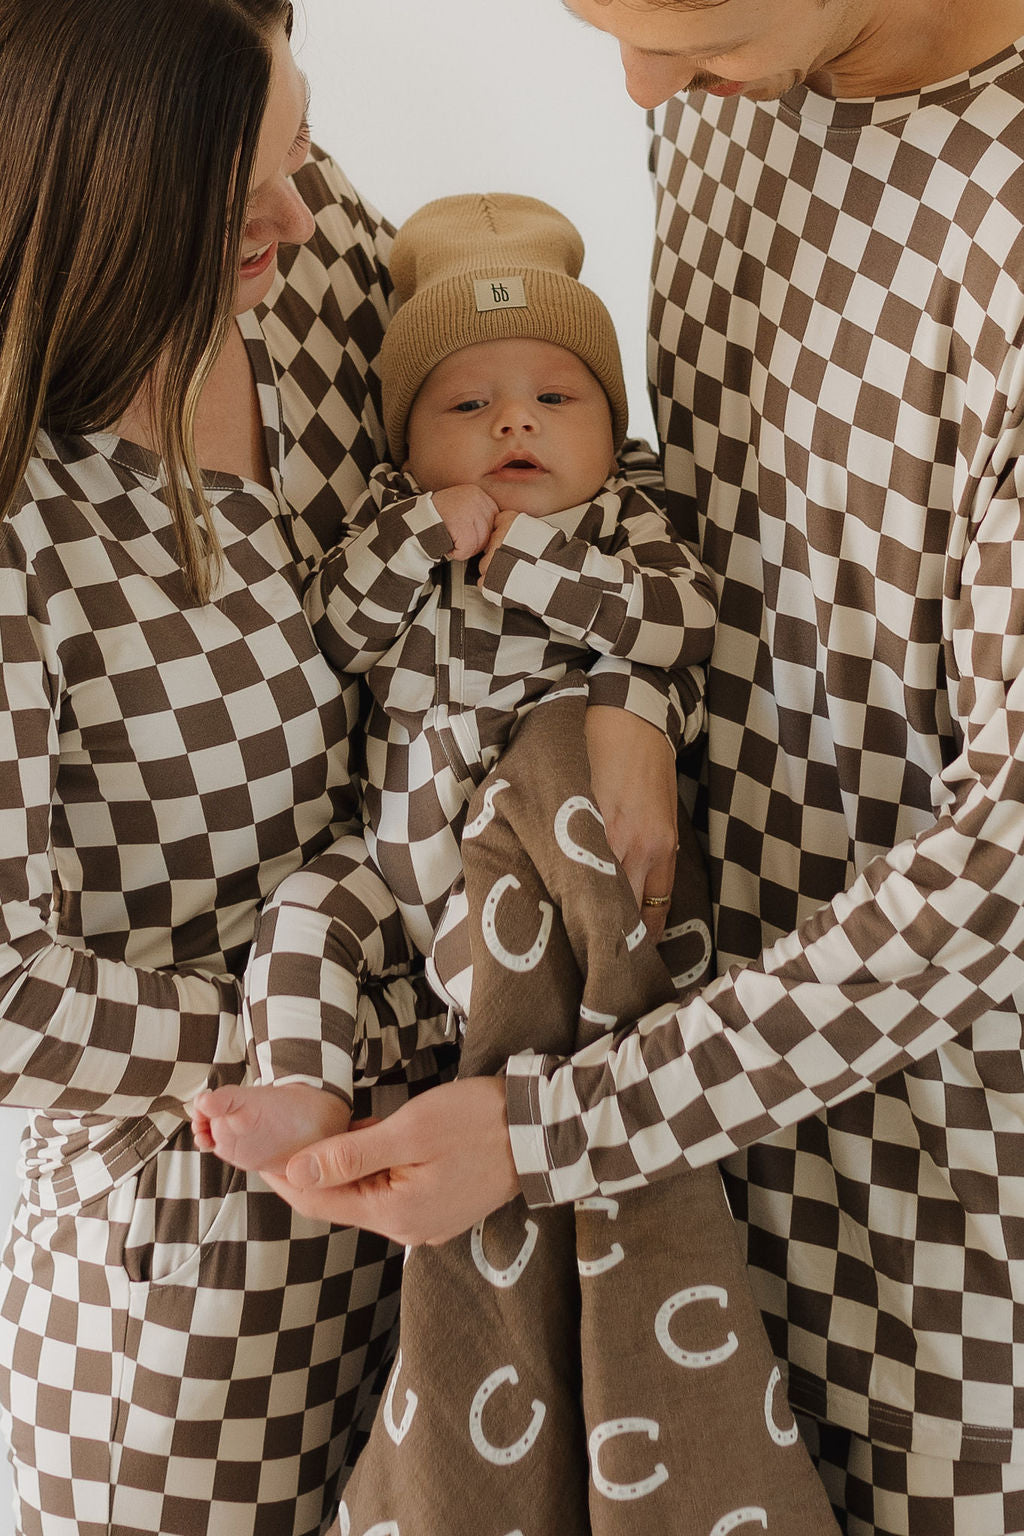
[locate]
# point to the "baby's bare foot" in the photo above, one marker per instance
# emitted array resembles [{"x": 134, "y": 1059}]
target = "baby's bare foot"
[{"x": 261, "y": 1127}]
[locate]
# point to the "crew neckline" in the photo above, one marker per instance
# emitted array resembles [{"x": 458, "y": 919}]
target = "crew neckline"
[{"x": 849, "y": 113}]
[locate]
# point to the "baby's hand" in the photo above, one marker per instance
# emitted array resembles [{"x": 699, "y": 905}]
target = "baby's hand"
[
  {"x": 468, "y": 513},
  {"x": 502, "y": 523}
]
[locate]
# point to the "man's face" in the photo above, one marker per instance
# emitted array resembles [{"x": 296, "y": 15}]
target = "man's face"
[{"x": 754, "y": 48}]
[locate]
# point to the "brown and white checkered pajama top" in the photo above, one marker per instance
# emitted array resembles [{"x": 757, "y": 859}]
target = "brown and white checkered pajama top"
[
  {"x": 170, "y": 1328},
  {"x": 838, "y": 312},
  {"x": 452, "y": 667}
]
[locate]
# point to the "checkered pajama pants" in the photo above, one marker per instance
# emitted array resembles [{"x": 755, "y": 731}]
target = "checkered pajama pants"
[
  {"x": 186, "y": 1355},
  {"x": 877, "y": 1490}
]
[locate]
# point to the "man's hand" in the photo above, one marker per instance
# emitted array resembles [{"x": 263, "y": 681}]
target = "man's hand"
[
  {"x": 502, "y": 523},
  {"x": 633, "y": 776},
  {"x": 422, "y": 1175},
  {"x": 468, "y": 513}
]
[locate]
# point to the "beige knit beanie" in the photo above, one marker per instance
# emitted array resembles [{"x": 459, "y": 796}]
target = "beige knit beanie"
[{"x": 484, "y": 266}]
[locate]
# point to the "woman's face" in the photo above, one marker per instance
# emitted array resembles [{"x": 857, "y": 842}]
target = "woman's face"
[{"x": 275, "y": 212}]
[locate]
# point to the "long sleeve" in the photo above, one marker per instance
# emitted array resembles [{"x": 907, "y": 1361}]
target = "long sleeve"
[
  {"x": 366, "y": 591},
  {"x": 926, "y": 942},
  {"x": 641, "y": 595},
  {"x": 78, "y": 1031},
  {"x": 624, "y": 584}
]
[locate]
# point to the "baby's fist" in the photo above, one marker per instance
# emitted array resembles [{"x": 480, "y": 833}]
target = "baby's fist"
[{"x": 468, "y": 513}]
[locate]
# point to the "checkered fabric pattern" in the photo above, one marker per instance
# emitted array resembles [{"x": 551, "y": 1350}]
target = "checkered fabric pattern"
[
  {"x": 836, "y": 324},
  {"x": 157, "y": 1384},
  {"x": 162, "y": 768},
  {"x": 886, "y": 1492},
  {"x": 452, "y": 666},
  {"x": 314, "y": 1007}
]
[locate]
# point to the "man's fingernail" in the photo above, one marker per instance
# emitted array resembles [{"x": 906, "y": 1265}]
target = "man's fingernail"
[{"x": 305, "y": 1171}]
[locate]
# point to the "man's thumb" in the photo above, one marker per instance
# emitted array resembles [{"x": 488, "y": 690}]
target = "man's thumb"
[{"x": 343, "y": 1159}]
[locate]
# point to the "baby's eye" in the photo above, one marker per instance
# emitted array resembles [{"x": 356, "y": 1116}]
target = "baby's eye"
[
  {"x": 552, "y": 397},
  {"x": 470, "y": 405}
]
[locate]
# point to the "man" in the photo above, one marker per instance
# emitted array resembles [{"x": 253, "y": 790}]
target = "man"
[{"x": 836, "y": 320}]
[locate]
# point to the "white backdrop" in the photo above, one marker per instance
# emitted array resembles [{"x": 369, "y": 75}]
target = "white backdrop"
[{"x": 420, "y": 100}]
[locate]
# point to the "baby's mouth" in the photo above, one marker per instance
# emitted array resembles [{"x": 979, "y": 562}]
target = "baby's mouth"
[{"x": 517, "y": 464}]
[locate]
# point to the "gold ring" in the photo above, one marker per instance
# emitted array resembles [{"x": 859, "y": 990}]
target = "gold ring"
[{"x": 656, "y": 901}]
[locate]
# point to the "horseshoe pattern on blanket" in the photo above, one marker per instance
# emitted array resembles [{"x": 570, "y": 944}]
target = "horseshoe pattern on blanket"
[
  {"x": 611, "y": 1429},
  {"x": 569, "y": 847},
  {"x": 398, "y": 1432},
  {"x": 530, "y": 957},
  {"x": 382, "y": 1528},
  {"x": 485, "y": 815},
  {"x": 738, "y": 1517},
  {"x": 781, "y": 1436},
  {"x": 616, "y": 1253},
  {"x": 636, "y": 1439},
  {"x": 591, "y": 1016},
  {"x": 503, "y": 1455},
  {"x": 696, "y": 971},
  {"x": 694, "y": 1360},
  {"x": 502, "y": 1278},
  {"x": 637, "y": 936}
]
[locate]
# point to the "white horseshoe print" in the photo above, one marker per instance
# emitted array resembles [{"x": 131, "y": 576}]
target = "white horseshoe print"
[
  {"x": 692, "y": 925},
  {"x": 591, "y": 1016},
  {"x": 780, "y": 1436},
  {"x": 532, "y": 956},
  {"x": 738, "y": 1517},
  {"x": 398, "y": 1432},
  {"x": 384, "y": 1528},
  {"x": 571, "y": 849},
  {"x": 637, "y": 936},
  {"x": 616, "y": 1253},
  {"x": 609, "y": 1431},
  {"x": 502, "y": 1278},
  {"x": 694, "y": 1360},
  {"x": 344, "y": 1520},
  {"x": 484, "y": 816},
  {"x": 502, "y": 1455}
]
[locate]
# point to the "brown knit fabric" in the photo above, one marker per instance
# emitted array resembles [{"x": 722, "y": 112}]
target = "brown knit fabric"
[{"x": 483, "y": 267}]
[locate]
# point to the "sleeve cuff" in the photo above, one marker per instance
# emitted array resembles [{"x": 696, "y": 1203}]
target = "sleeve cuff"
[
  {"x": 618, "y": 684},
  {"x": 541, "y": 1184}
]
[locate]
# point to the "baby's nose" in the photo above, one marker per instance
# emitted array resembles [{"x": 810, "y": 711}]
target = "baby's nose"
[{"x": 517, "y": 418}]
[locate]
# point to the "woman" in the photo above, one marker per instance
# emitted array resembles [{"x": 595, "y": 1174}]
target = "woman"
[{"x": 179, "y": 1352}]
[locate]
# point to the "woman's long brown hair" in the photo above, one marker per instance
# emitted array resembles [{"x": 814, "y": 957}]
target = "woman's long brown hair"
[{"x": 130, "y": 130}]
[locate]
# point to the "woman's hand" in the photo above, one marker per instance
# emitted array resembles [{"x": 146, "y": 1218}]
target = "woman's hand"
[
  {"x": 422, "y": 1175},
  {"x": 633, "y": 776}
]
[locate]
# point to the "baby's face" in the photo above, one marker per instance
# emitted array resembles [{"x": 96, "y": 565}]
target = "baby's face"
[{"x": 525, "y": 420}]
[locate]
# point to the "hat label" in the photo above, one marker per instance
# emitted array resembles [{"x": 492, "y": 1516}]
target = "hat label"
[{"x": 499, "y": 293}]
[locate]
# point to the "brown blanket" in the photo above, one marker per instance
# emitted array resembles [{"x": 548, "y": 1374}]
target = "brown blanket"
[{"x": 599, "y": 1369}]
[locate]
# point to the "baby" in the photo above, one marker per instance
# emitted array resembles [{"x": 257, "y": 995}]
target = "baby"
[{"x": 507, "y": 552}]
